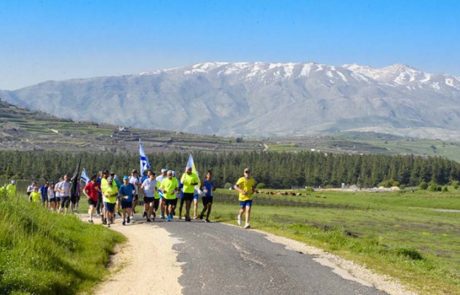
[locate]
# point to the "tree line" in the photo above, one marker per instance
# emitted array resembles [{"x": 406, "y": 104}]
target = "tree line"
[{"x": 274, "y": 169}]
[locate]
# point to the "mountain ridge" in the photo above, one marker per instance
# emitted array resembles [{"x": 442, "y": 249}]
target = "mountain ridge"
[{"x": 260, "y": 99}]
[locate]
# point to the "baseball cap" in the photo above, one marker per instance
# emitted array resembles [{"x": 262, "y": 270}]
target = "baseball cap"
[
  {"x": 125, "y": 177},
  {"x": 163, "y": 170}
]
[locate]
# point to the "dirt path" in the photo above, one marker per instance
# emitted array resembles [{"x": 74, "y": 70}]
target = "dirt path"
[{"x": 131, "y": 272}]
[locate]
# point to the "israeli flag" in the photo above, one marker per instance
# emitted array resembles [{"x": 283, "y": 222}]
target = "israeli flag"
[
  {"x": 84, "y": 177},
  {"x": 144, "y": 161}
]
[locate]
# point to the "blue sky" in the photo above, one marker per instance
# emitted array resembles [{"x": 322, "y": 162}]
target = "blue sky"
[{"x": 56, "y": 40}]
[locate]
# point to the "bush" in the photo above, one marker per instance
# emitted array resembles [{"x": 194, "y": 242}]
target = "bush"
[
  {"x": 260, "y": 185},
  {"x": 445, "y": 189},
  {"x": 423, "y": 185},
  {"x": 228, "y": 185},
  {"x": 434, "y": 187},
  {"x": 389, "y": 183},
  {"x": 309, "y": 190},
  {"x": 455, "y": 184}
]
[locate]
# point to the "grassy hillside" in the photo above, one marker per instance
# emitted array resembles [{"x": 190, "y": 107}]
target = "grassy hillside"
[
  {"x": 412, "y": 236},
  {"x": 46, "y": 253}
]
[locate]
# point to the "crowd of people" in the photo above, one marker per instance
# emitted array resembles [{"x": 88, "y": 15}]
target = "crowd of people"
[{"x": 108, "y": 195}]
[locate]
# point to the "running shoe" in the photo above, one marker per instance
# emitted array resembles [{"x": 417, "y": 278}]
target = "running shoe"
[
  {"x": 168, "y": 219},
  {"x": 238, "y": 220},
  {"x": 247, "y": 226},
  {"x": 207, "y": 220},
  {"x": 145, "y": 214},
  {"x": 188, "y": 219},
  {"x": 124, "y": 222},
  {"x": 148, "y": 220}
]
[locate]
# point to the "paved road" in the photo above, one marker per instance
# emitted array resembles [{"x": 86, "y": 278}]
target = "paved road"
[{"x": 223, "y": 259}]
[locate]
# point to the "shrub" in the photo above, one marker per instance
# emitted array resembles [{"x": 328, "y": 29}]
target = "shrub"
[
  {"x": 260, "y": 185},
  {"x": 423, "y": 185}
]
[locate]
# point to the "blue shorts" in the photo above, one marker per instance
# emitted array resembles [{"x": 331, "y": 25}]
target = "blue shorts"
[
  {"x": 245, "y": 203},
  {"x": 109, "y": 207},
  {"x": 195, "y": 197}
]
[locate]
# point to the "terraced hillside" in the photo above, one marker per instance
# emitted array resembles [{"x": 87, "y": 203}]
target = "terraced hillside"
[{"x": 21, "y": 129}]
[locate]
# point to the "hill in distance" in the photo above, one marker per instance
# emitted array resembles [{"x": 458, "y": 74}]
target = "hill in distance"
[
  {"x": 25, "y": 130},
  {"x": 260, "y": 100}
]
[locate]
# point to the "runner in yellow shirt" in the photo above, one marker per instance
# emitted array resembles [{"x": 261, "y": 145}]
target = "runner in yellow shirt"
[
  {"x": 35, "y": 196},
  {"x": 109, "y": 194},
  {"x": 169, "y": 187},
  {"x": 246, "y": 187},
  {"x": 189, "y": 180}
]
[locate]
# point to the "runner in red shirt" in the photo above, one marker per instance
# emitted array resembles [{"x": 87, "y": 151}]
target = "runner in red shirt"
[{"x": 91, "y": 191}]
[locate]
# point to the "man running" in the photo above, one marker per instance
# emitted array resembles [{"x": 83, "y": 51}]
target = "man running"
[
  {"x": 149, "y": 188},
  {"x": 44, "y": 194},
  {"x": 134, "y": 180},
  {"x": 109, "y": 194},
  {"x": 126, "y": 194},
  {"x": 65, "y": 194},
  {"x": 35, "y": 196},
  {"x": 11, "y": 189},
  {"x": 52, "y": 197},
  {"x": 189, "y": 180},
  {"x": 91, "y": 191},
  {"x": 159, "y": 179},
  {"x": 169, "y": 187},
  {"x": 208, "y": 188},
  {"x": 246, "y": 188}
]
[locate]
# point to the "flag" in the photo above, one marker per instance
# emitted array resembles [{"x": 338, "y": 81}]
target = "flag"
[
  {"x": 191, "y": 163},
  {"x": 84, "y": 177},
  {"x": 144, "y": 161},
  {"x": 75, "y": 180}
]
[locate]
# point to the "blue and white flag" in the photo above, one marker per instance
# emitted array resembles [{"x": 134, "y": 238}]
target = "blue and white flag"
[
  {"x": 84, "y": 176},
  {"x": 144, "y": 161}
]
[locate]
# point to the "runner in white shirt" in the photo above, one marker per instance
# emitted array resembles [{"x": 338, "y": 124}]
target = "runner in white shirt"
[{"x": 149, "y": 186}]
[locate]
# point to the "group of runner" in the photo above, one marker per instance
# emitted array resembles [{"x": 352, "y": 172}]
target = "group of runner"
[
  {"x": 160, "y": 193},
  {"x": 56, "y": 196},
  {"x": 108, "y": 195}
]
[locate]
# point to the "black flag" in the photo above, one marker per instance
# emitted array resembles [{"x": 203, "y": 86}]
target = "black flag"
[{"x": 74, "y": 181}]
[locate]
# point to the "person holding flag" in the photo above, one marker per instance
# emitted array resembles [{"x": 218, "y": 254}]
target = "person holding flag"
[{"x": 189, "y": 180}]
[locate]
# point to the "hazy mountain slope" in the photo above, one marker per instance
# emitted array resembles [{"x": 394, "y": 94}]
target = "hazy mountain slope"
[{"x": 260, "y": 99}]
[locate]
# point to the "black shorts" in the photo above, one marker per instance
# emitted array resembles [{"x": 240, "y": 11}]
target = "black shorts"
[
  {"x": 156, "y": 204},
  {"x": 92, "y": 202},
  {"x": 65, "y": 202},
  {"x": 73, "y": 199},
  {"x": 172, "y": 202},
  {"x": 126, "y": 204},
  {"x": 148, "y": 200},
  {"x": 207, "y": 200},
  {"x": 188, "y": 196},
  {"x": 52, "y": 200}
]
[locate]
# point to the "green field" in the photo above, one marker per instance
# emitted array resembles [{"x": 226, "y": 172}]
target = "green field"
[
  {"x": 399, "y": 234},
  {"x": 47, "y": 253}
]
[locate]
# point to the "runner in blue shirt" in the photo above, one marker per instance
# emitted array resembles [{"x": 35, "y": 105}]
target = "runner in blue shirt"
[
  {"x": 126, "y": 194},
  {"x": 208, "y": 187}
]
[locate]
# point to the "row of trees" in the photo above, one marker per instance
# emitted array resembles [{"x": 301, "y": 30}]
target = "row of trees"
[{"x": 275, "y": 170}]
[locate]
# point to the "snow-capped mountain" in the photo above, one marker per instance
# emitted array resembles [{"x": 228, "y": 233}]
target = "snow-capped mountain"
[{"x": 260, "y": 99}]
